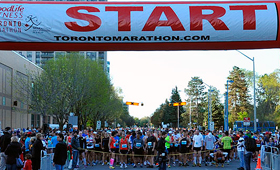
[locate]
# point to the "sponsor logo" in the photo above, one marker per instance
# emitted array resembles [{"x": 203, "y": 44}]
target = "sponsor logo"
[{"x": 33, "y": 23}]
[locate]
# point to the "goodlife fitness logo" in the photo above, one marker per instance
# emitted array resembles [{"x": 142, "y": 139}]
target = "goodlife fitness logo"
[
  {"x": 196, "y": 16},
  {"x": 11, "y": 18}
]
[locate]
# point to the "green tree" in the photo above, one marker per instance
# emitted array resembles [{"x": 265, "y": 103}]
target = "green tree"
[
  {"x": 268, "y": 97},
  {"x": 238, "y": 97},
  {"x": 195, "y": 91},
  {"x": 217, "y": 109}
]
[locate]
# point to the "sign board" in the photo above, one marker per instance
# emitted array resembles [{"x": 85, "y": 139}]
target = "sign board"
[
  {"x": 246, "y": 121},
  {"x": 73, "y": 120},
  {"x": 105, "y": 124},
  {"x": 98, "y": 125},
  {"x": 211, "y": 126},
  {"x": 104, "y": 26}
]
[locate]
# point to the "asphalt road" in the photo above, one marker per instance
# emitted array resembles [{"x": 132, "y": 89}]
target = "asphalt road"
[{"x": 232, "y": 166}]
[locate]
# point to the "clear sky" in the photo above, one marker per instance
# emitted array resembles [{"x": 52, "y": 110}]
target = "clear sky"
[{"x": 149, "y": 77}]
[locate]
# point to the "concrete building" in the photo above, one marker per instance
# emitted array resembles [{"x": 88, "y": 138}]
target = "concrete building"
[
  {"x": 41, "y": 57},
  {"x": 14, "y": 69}
]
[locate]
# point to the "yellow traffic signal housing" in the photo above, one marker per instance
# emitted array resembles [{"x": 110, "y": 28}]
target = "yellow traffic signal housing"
[
  {"x": 128, "y": 103},
  {"x": 135, "y": 104},
  {"x": 176, "y": 104},
  {"x": 183, "y": 103}
]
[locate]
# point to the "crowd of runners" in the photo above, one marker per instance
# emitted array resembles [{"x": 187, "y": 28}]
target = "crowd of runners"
[{"x": 138, "y": 147}]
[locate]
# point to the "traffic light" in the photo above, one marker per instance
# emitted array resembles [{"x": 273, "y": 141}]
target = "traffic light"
[
  {"x": 134, "y": 103},
  {"x": 178, "y": 104}
]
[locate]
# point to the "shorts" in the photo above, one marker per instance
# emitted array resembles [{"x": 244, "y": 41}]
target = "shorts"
[
  {"x": 106, "y": 150},
  {"x": 184, "y": 150},
  {"x": 150, "y": 151},
  {"x": 197, "y": 148},
  {"x": 227, "y": 150},
  {"x": 98, "y": 149},
  {"x": 176, "y": 149},
  {"x": 115, "y": 150},
  {"x": 124, "y": 151},
  {"x": 138, "y": 152}
]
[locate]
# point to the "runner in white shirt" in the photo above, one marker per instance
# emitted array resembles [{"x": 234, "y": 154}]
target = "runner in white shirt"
[{"x": 197, "y": 147}]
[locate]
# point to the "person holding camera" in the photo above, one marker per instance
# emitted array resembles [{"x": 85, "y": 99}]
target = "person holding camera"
[{"x": 162, "y": 154}]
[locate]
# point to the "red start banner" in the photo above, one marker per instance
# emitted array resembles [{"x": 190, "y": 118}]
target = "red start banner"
[{"x": 108, "y": 26}]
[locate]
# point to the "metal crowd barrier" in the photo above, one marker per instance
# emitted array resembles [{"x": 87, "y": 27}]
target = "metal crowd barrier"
[
  {"x": 47, "y": 162},
  {"x": 269, "y": 157}
]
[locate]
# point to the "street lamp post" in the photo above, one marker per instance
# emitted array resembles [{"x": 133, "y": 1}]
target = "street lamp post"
[
  {"x": 209, "y": 105},
  {"x": 226, "y": 108},
  {"x": 255, "y": 110},
  {"x": 190, "y": 113}
]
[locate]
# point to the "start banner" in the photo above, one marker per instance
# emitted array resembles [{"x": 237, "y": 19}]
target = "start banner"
[{"x": 105, "y": 26}]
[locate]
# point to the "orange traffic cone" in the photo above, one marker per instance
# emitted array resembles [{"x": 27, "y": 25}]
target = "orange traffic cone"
[{"x": 259, "y": 167}]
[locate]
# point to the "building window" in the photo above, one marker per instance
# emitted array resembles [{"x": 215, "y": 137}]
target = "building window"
[
  {"x": 91, "y": 55},
  {"x": 37, "y": 120},
  {"x": 32, "y": 120},
  {"x": 29, "y": 56},
  {"x": 101, "y": 55},
  {"x": 38, "y": 57},
  {"x": 4, "y": 101}
]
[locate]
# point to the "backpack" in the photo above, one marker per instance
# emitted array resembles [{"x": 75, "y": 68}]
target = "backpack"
[{"x": 250, "y": 144}]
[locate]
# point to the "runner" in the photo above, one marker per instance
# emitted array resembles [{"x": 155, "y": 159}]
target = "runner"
[
  {"x": 97, "y": 147},
  {"x": 105, "y": 148},
  {"x": 123, "y": 150},
  {"x": 112, "y": 149},
  {"x": 90, "y": 148},
  {"x": 209, "y": 146},
  {"x": 227, "y": 141},
  {"x": 197, "y": 147},
  {"x": 138, "y": 150},
  {"x": 150, "y": 145},
  {"x": 184, "y": 142}
]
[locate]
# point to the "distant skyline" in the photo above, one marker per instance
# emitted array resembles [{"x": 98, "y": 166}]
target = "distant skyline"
[{"x": 150, "y": 76}]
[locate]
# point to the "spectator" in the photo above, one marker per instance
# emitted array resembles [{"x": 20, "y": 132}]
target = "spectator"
[
  {"x": 240, "y": 150},
  {"x": 60, "y": 154},
  {"x": 54, "y": 141},
  {"x": 28, "y": 162},
  {"x": 75, "y": 146},
  {"x": 27, "y": 142},
  {"x": 13, "y": 151},
  {"x": 36, "y": 152},
  {"x": 5, "y": 140}
]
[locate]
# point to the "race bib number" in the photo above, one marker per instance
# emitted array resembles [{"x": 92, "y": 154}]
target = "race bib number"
[
  {"x": 184, "y": 142},
  {"x": 124, "y": 145},
  {"x": 149, "y": 143},
  {"x": 171, "y": 144},
  {"x": 176, "y": 145},
  {"x": 96, "y": 145},
  {"x": 138, "y": 145},
  {"x": 258, "y": 145}
]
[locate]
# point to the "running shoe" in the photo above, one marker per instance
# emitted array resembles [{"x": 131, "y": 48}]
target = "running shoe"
[
  {"x": 199, "y": 165},
  {"x": 125, "y": 166},
  {"x": 168, "y": 166},
  {"x": 134, "y": 166},
  {"x": 121, "y": 166},
  {"x": 222, "y": 165},
  {"x": 111, "y": 167},
  {"x": 194, "y": 165}
]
